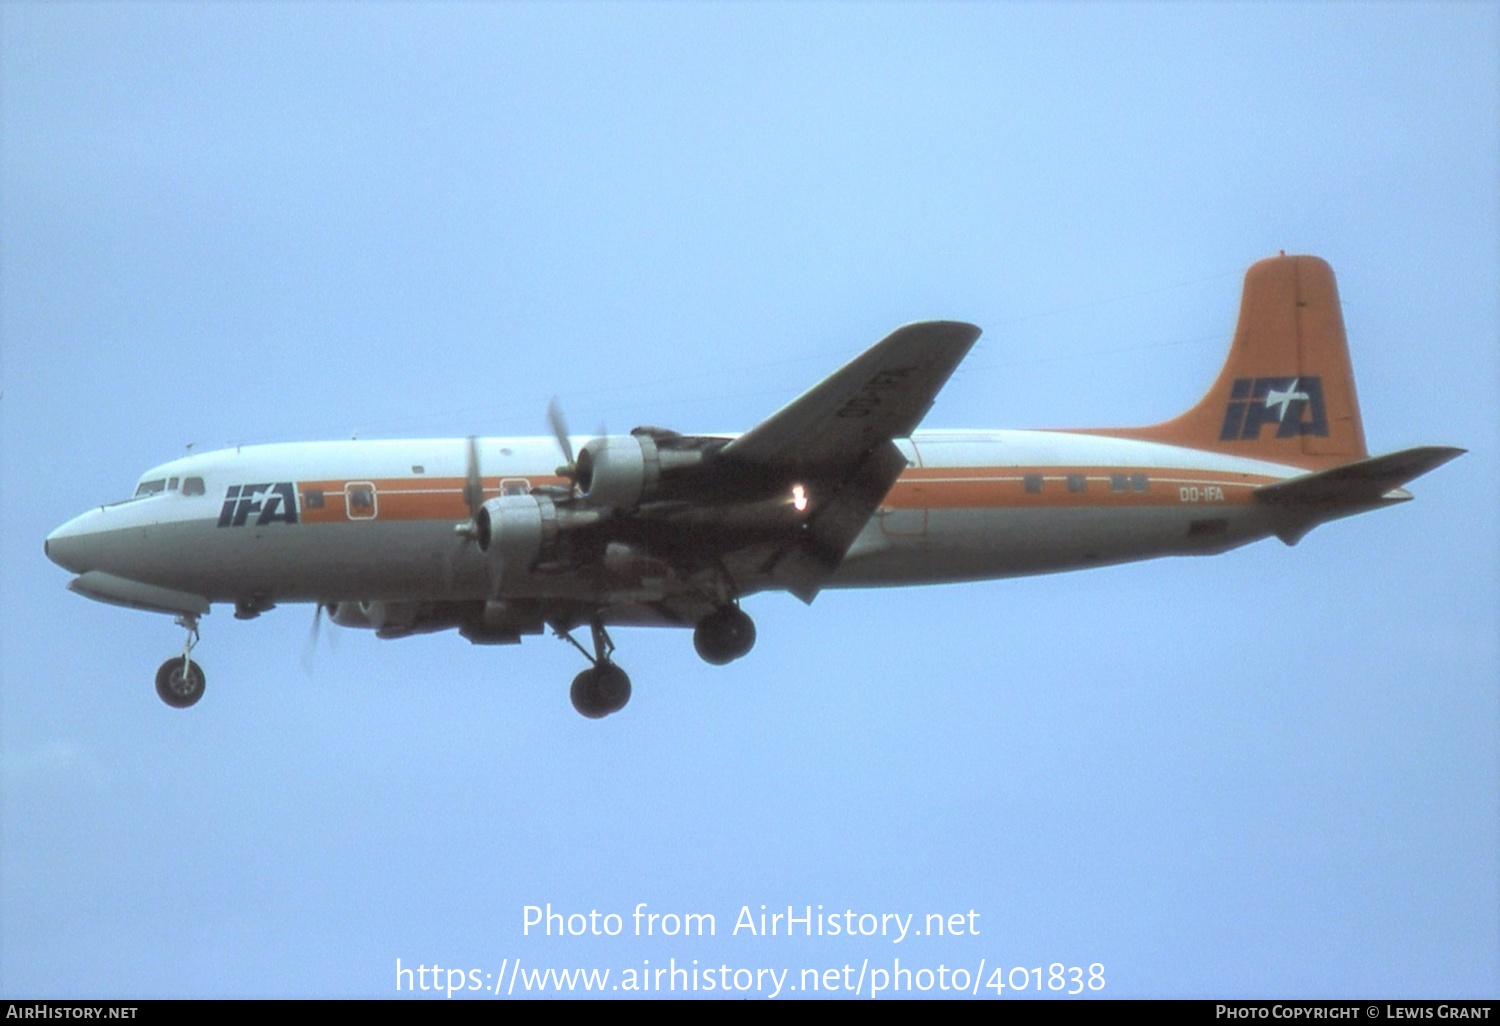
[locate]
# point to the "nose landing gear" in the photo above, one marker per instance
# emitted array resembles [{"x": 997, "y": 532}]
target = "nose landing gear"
[{"x": 180, "y": 681}]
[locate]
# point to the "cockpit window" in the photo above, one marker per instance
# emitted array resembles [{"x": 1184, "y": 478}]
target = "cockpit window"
[{"x": 157, "y": 486}]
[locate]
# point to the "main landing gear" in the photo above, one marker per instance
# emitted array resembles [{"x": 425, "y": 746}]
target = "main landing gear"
[
  {"x": 721, "y": 637},
  {"x": 180, "y": 681},
  {"x": 724, "y": 635},
  {"x": 603, "y": 688}
]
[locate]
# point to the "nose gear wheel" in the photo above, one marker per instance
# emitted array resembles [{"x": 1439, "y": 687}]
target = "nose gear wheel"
[{"x": 179, "y": 680}]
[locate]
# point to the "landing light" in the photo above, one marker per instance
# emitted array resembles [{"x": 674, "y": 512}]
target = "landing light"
[{"x": 799, "y": 498}]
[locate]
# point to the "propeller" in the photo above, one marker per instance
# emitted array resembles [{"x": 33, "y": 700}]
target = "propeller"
[
  {"x": 310, "y": 648},
  {"x": 473, "y": 483},
  {"x": 559, "y": 427},
  {"x": 473, "y": 490}
]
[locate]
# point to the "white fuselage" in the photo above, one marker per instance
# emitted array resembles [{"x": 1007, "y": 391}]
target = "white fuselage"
[{"x": 375, "y": 520}]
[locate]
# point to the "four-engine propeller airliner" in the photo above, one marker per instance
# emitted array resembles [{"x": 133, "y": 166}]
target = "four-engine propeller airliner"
[{"x": 836, "y": 489}]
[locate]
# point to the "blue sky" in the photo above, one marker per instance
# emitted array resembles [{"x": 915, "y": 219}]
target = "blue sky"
[{"x": 1275, "y": 772}]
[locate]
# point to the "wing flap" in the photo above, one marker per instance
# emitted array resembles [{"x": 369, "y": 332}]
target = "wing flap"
[{"x": 805, "y": 564}]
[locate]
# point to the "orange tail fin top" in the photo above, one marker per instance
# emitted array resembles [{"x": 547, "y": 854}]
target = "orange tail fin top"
[{"x": 1286, "y": 393}]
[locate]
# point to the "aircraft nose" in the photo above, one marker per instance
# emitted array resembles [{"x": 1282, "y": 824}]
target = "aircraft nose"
[{"x": 72, "y": 545}]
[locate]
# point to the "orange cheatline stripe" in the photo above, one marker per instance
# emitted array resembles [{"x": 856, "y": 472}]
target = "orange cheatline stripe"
[
  {"x": 933, "y": 488},
  {"x": 404, "y": 498},
  {"x": 1005, "y": 488}
]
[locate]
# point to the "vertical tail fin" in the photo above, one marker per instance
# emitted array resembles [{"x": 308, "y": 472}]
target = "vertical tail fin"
[{"x": 1286, "y": 393}]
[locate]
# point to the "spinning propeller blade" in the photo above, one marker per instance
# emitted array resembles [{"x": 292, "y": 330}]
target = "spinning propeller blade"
[
  {"x": 310, "y": 648},
  {"x": 473, "y": 484},
  {"x": 560, "y": 432}
]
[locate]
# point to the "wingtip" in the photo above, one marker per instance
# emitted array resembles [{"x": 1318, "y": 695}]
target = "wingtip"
[
  {"x": 939, "y": 324},
  {"x": 1444, "y": 453},
  {"x": 959, "y": 329},
  {"x": 973, "y": 330}
]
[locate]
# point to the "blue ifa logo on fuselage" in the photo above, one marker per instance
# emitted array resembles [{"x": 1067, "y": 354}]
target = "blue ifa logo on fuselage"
[
  {"x": 271, "y": 503},
  {"x": 1294, "y": 405}
]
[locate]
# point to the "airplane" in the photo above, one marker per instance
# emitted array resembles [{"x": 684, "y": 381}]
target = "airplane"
[{"x": 837, "y": 489}]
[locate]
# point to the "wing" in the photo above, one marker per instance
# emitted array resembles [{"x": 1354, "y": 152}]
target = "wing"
[
  {"x": 836, "y": 441},
  {"x": 655, "y": 515},
  {"x": 879, "y": 395}
]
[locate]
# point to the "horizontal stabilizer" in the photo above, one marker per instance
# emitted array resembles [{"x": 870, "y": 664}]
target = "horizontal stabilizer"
[{"x": 1361, "y": 483}]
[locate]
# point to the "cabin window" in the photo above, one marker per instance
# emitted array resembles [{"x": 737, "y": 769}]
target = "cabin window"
[
  {"x": 417, "y": 468},
  {"x": 312, "y": 498},
  {"x": 1138, "y": 482},
  {"x": 1118, "y": 483},
  {"x": 192, "y": 486},
  {"x": 1077, "y": 482},
  {"x": 1033, "y": 483},
  {"x": 514, "y": 486}
]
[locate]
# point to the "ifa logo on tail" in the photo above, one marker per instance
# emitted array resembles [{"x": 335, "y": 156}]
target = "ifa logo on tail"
[
  {"x": 1293, "y": 405},
  {"x": 268, "y": 503}
]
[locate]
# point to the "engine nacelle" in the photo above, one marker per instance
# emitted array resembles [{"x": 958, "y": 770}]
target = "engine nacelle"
[
  {"x": 618, "y": 470},
  {"x": 501, "y": 622},
  {"x": 349, "y": 614},
  {"x": 623, "y": 471},
  {"x": 518, "y": 531},
  {"x": 515, "y": 530},
  {"x": 398, "y": 616},
  {"x": 375, "y": 615}
]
